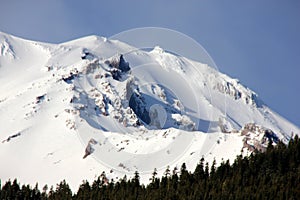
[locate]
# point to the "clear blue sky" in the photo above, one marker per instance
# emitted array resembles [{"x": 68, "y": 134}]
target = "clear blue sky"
[{"x": 255, "y": 41}]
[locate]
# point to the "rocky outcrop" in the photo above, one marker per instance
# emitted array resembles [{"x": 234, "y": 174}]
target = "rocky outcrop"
[
  {"x": 257, "y": 138},
  {"x": 118, "y": 66},
  {"x": 89, "y": 148},
  {"x": 236, "y": 91}
]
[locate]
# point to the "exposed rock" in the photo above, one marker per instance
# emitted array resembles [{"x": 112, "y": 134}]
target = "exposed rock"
[
  {"x": 123, "y": 65},
  {"x": 70, "y": 78},
  {"x": 39, "y": 99},
  {"x": 86, "y": 54},
  {"x": 90, "y": 68},
  {"x": 257, "y": 138},
  {"x": 138, "y": 105},
  {"x": 118, "y": 66},
  {"x": 89, "y": 148},
  {"x": 12, "y": 136},
  {"x": 234, "y": 90}
]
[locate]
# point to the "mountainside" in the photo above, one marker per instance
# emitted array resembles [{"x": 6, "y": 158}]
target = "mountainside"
[{"x": 72, "y": 110}]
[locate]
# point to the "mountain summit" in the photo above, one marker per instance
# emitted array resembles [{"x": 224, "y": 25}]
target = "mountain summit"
[{"x": 72, "y": 110}]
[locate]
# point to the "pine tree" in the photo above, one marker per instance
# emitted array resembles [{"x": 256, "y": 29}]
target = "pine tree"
[{"x": 62, "y": 191}]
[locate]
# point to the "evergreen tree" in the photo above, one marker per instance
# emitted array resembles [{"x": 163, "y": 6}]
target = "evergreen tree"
[{"x": 62, "y": 191}]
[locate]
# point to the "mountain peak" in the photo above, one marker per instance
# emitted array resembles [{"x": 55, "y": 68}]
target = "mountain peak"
[
  {"x": 122, "y": 109},
  {"x": 91, "y": 39},
  {"x": 158, "y": 49}
]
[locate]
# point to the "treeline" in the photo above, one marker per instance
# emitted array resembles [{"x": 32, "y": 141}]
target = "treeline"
[{"x": 274, "y": 174}]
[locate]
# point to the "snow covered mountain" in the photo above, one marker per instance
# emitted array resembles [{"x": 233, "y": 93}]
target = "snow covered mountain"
[{"x": 72, "y": 110}]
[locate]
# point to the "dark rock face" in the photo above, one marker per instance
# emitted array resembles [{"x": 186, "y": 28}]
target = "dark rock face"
[
  {"x": 118, "y": 67},
  {"x": 137, "y": 104},
  {"x": 270, "y": 136},
  {"x": 116, "y": 74},
  {"x": 41, "y": 98},
  {"x": 69, "y": 79},
  {"x": 86, "y": 54},
  {"x": 259, "y": 103},
  {"x": 123, "y": 65},
  {"x": 11, "y": 137}
]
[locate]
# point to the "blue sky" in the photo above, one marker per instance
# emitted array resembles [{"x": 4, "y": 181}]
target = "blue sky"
[{"x": 255, "y": 41}]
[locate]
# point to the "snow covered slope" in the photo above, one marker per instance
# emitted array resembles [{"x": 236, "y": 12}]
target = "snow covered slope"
[{"x": 72, "y": 110}]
